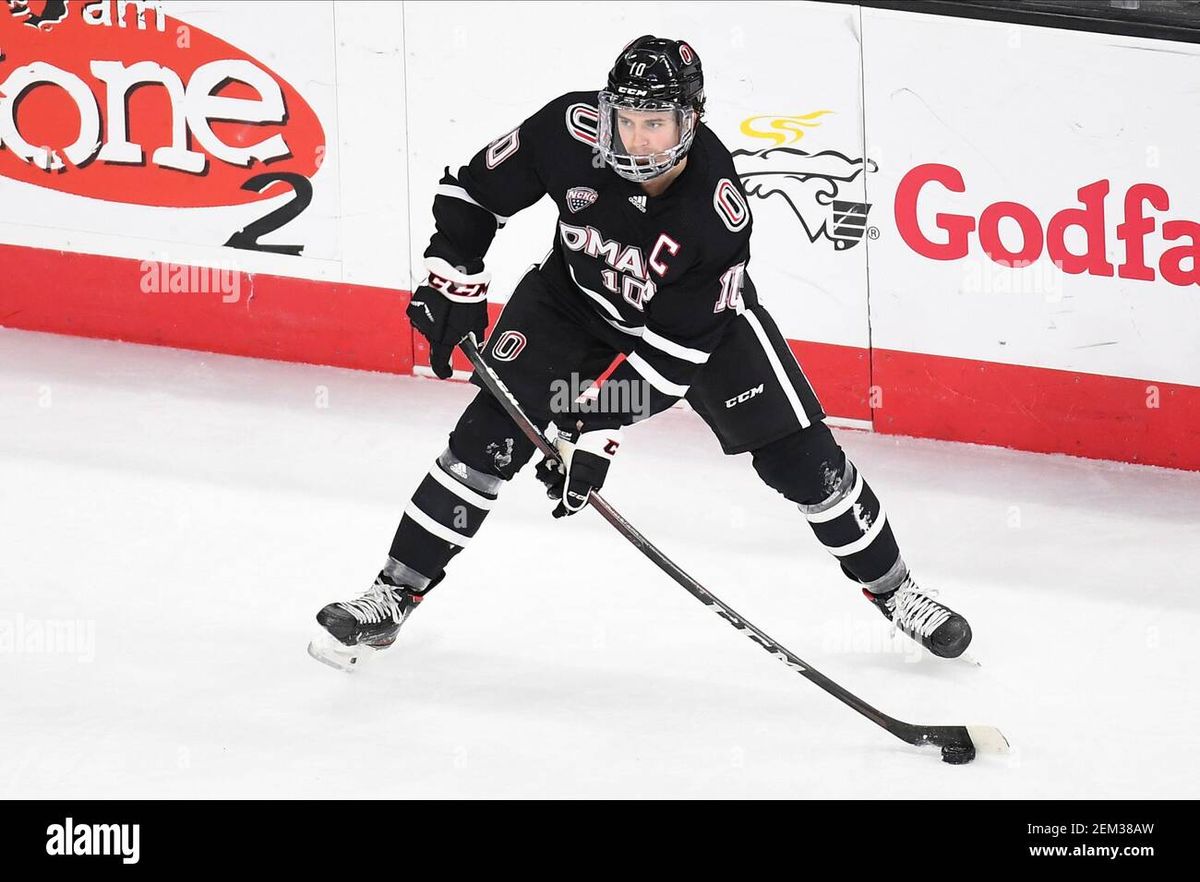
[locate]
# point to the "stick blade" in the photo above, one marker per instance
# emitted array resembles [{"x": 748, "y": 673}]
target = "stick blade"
[{"x": 988, "y": 739}]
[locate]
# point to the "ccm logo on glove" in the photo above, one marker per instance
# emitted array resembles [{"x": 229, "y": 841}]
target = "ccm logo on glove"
[{"x": 448, "y": 306}]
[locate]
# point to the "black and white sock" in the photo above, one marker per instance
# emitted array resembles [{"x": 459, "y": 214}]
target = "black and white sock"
[
  {"x": 445, "y": 512},
  {"x": 853, "y": 527}
]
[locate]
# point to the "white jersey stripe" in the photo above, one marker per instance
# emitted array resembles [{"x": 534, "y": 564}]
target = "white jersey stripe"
[
  {"x": 670, "y": 347},
  {"x": 633, "y": 332},
  {"x": 654, "y": 378},
  {"x": 616, "y": 321},
  {"x": 608, "y": 307},
  {"x": 773, "y": 359},
  {"x": 455, "y": 192}
]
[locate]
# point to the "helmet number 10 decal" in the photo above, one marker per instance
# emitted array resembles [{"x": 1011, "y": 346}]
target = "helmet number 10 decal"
[{"x": 637, "y": 69}]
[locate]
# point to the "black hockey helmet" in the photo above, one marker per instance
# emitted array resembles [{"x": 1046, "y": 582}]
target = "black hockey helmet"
[{"x": 651, "y": 74}]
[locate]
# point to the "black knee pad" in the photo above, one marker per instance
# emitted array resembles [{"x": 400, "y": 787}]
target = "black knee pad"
[
  {"x": 806, "y": 466},
  {"x": 487, "y": 439}
]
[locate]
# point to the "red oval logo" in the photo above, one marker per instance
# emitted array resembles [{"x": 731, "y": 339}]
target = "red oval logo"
[{"x": 121, "y": 102}]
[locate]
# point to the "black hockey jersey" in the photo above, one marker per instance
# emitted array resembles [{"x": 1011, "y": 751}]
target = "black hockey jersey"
[{"x": 667, "y": 272}]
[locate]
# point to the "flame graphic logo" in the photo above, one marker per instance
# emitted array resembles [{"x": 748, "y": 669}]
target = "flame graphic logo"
[{"x": 778, "y": 128}]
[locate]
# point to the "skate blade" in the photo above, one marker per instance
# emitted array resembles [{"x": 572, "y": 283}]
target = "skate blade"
[{"x": 328, "y": 651}]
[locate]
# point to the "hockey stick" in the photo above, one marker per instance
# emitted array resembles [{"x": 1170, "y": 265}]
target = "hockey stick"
[{"x": 958, "y": 743}]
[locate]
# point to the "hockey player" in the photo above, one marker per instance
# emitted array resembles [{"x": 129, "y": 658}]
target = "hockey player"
[{"x": 649, "y": 261}]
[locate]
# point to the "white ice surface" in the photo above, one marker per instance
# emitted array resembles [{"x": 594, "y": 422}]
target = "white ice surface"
[{"x": 192, "y": 512}]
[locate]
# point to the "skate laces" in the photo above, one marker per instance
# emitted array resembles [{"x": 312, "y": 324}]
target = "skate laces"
[
  {"x": 917, "y": 611},
  {"x": 376, "y": 604}
]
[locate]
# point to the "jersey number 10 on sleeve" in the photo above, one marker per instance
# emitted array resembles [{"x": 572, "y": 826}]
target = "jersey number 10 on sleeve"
[{"x": 731, "y": 289}]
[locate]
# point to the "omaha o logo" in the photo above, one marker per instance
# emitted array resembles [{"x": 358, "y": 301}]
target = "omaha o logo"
[
  {"x": 730, "y": 205},
  {"x": 508, "y": 346}
]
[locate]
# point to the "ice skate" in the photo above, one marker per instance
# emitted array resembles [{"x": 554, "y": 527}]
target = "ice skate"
[
  {"x": 936, "y": 627},
  {"x": 355, "y": 629}
]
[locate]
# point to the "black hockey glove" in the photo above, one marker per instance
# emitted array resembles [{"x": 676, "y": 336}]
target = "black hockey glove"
[
  {"x": 448, "y": 306},
  {"x": 585, "y": 459}
]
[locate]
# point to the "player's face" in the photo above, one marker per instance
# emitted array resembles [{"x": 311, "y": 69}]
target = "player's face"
[{"x": 647, "y": 132}]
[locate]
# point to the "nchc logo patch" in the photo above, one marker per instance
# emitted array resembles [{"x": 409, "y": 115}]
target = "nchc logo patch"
[{"x": 579, "y": 198}]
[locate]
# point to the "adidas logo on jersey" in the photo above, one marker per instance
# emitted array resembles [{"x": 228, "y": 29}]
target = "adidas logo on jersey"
[
  {"x": 638, "y": 202},
  {"x": 579, "y": 198}
]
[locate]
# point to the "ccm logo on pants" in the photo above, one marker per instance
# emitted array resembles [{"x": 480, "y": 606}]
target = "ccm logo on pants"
[{"x": 745, "y": 396}]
